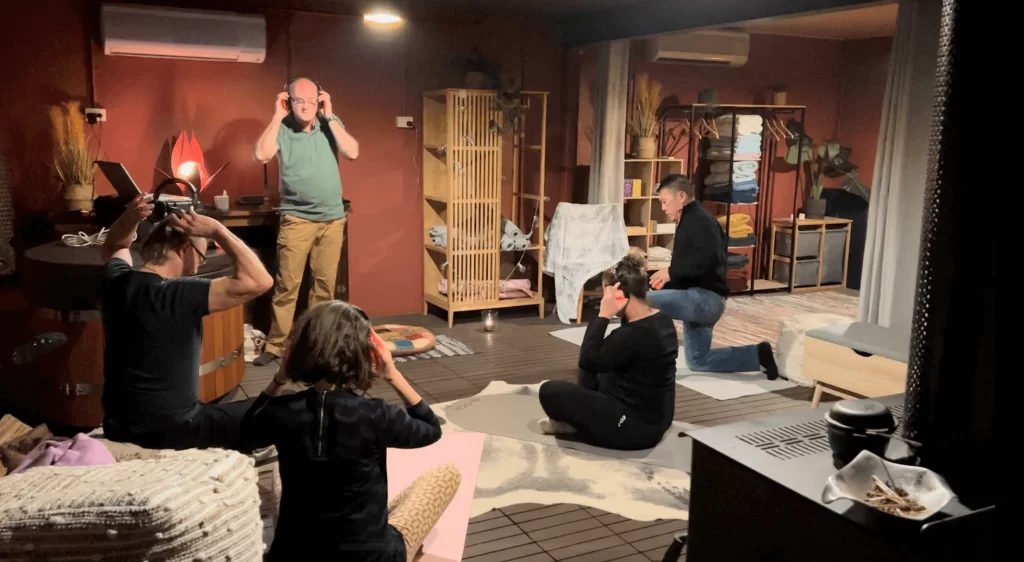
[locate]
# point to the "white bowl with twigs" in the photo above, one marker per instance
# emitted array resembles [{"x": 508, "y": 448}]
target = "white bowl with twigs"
[{"x": 908, "y": 492}]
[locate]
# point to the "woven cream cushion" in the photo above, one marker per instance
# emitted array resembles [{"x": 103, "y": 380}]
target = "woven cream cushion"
[
  {"x": 789, "y": 351},
  {"x": 187, "y": 505}
]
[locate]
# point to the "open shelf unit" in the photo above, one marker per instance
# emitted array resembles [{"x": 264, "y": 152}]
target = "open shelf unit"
[
  {"x": 646, "y": 224},
  {"x": 463, "y": 170}
]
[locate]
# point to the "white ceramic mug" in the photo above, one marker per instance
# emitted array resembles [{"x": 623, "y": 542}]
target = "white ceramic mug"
[{"x": 222, "y": 202}]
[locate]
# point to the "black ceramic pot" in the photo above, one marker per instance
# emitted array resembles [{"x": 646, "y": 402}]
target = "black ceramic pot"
[{"x": 858, "y": 425}]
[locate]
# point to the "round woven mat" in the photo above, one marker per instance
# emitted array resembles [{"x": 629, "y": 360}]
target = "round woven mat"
[{"x": 405, "y": 340}]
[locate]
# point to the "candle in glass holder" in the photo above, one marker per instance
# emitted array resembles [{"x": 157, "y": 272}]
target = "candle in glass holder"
[{"x": 489, "y": 319}]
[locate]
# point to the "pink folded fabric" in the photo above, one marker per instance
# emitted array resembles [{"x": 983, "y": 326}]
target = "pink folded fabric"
[{"x": 81, "y": 450}]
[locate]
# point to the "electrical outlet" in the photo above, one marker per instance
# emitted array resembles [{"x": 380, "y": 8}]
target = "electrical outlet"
[
  {"x": 95, "y": 114},
  {"x": 404, "y": 123}
]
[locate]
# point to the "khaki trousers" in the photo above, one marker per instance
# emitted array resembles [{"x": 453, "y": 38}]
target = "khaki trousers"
[{"x": 298, "y": 241}]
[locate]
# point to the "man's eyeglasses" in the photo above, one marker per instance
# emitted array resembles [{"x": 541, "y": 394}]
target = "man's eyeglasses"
[
  {"x": 202, "y": 256},
  {"x": 301, "y": 102}
]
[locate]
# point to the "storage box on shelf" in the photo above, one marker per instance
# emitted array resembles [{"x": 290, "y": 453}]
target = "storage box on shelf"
[
  {"x": 819, "y": 261},
  {"x": 462, "y": 195}
]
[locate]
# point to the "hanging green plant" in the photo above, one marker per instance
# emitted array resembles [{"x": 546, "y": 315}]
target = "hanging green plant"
[
  {"x": 477, "y": 72},
  {"x": 510, "y": 104}
]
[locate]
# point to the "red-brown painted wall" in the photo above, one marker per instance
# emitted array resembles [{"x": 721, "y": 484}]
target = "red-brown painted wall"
[
  {"x": 811, "y": 70},
  {"x": 865, "y": 70},
  {"x": 372, "y": 76}
]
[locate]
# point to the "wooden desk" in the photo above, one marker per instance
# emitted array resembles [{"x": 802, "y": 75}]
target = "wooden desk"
[{"x": 239, "y": 217}]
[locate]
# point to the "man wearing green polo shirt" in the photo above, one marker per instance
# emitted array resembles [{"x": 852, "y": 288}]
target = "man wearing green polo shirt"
[{"x": 307, "y": 138}]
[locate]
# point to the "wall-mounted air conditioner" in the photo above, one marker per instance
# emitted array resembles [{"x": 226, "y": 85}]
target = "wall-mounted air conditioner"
[
  {"x": 173, "y": 33},
  {"x": 715, "y": 48}
]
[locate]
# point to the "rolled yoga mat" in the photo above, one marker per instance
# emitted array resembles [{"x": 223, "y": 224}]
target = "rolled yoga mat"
[{"x": 516, "y": 415}]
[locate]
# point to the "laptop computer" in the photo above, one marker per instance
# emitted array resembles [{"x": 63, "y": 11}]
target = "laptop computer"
[{"x": 119, "y": 177}]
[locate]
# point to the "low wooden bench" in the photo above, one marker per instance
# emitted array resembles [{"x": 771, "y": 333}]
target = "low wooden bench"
[{"x": 856, "y": 360}]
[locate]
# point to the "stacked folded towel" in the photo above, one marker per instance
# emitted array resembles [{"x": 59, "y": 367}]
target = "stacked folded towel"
[
  {"x": 745, "y": 124},
  {"x": 725, "y": 153},
  {"x": 737, "y": 241},
  {"x": 439, "y": 236},
  {"x": 746, "y": 197},
  {"x": 658, "y": 256},
  {"x": 748, "y": 187},
  {"x": 746, "y": 145},
  {"x": 739, "y": 225},
  {"x": 512, "y": 238},
  {"x": 742, "y": 172},
  {"x": 737, "y": 261},
  {"x": 738, "y": 168}
]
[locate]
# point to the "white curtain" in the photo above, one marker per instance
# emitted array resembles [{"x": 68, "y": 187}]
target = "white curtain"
[
  {"x": 608, "y": 145},
  {"x": 891, "y": 252}
]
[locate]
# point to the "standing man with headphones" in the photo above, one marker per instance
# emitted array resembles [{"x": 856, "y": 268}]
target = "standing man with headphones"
[{"x": 307, "y": 138}]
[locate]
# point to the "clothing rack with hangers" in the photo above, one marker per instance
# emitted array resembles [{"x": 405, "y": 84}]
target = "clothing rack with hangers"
[{"x": 734, "y": 146}]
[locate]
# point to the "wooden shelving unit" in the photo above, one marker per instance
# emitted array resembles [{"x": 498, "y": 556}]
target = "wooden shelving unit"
[
  {"x": 462, "y": 190},
  {"x": 818, "y": 256},
  {"x": 646, "y": 224}
]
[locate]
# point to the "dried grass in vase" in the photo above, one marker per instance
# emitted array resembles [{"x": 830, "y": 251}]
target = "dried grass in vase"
[
  {"x": 72, "y": 159},
  {"x": 643, "y": 119}
]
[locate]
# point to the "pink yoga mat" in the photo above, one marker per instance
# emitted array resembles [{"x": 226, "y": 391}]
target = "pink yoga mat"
[{"x": 448, "y": 539}]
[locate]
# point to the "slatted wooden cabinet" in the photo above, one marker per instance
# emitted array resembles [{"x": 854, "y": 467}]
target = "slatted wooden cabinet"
[{"x": 465, "y": 176}]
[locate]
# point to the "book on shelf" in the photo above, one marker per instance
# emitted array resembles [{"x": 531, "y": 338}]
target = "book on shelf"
[{"x": 631, "y": 188}]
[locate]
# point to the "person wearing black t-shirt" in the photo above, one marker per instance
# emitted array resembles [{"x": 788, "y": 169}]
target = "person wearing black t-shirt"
[
  {"x": 693, "y": 288},
  {"x": 152, "y": 328},
  {"x": 625, "y": 394}
]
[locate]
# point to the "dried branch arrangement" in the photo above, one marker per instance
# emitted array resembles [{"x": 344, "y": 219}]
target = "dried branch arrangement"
[
  {"x": 72, "y": 160},
  {"x": 643, "y": 114}
]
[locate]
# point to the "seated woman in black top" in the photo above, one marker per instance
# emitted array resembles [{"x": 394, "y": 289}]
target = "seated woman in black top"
[
  {"x": 332, "y": 444},
  {"x": 626, "y": 392}
]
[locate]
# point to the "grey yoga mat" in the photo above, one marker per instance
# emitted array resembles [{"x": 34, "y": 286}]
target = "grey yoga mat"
[{"x": 516, "y": 415}]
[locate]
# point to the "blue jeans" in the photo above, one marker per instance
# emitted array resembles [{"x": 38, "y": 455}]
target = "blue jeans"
[{"x": 699, "y": 310}]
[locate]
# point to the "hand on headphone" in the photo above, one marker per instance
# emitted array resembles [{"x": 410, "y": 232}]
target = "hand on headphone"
[
  {"x": 139, "y": 208},
  {"x": 613, "y": 301},
  {"x": 281, "y": 108},
  {"x": 324, "y": 101}
]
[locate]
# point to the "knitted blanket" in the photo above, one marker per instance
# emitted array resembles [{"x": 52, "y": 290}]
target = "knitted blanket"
[{"x": 185, "y": 505}]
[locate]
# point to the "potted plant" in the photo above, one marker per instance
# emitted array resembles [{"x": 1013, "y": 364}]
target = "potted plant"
[
  {"x": 72, "y": 159},
  {"x": 827, "y": 160},
  {"x": 642, "y": 121},
  {"x": 477, "y": 72}
]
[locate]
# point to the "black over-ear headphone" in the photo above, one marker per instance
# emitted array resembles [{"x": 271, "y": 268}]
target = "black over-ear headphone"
[
  {"x": 296, "y": 79},
  {"x": 161, "y": 209}
]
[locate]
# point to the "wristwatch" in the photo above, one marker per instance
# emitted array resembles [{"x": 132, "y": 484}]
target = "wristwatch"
[{"x": 335, "y": 118}]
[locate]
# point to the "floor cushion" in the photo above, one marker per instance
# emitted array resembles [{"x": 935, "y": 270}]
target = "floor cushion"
[
  {"x": 405, "y": 340},
  {"x": 185, "y": 506},
  {"x": 789, "y": 351}
]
